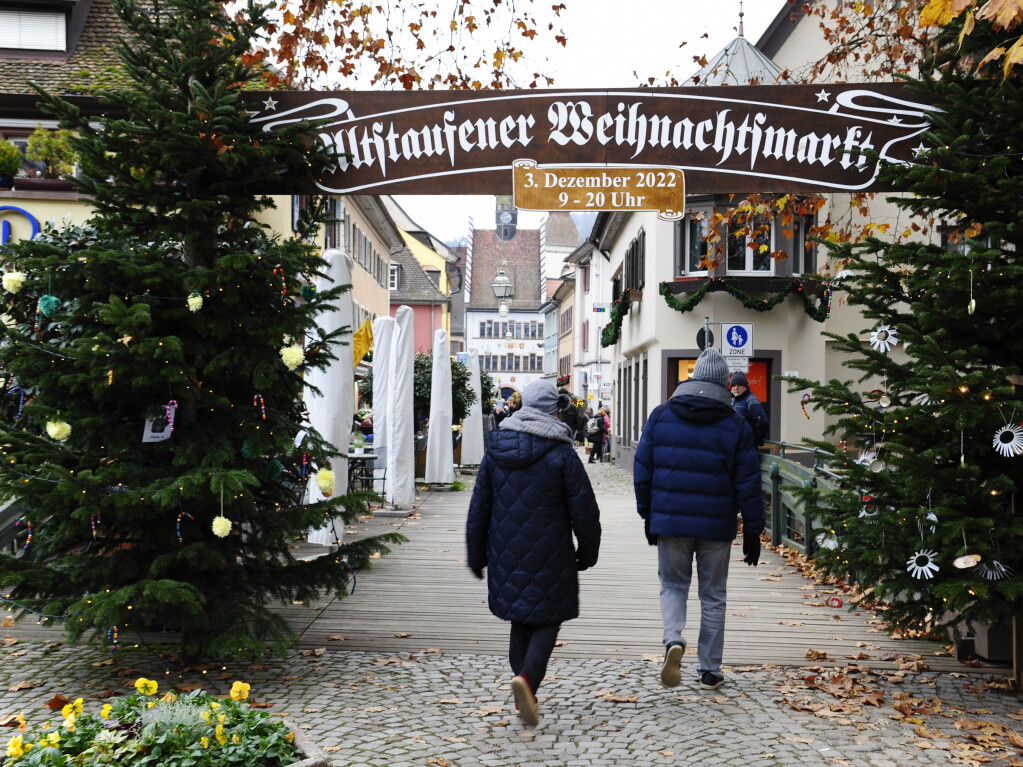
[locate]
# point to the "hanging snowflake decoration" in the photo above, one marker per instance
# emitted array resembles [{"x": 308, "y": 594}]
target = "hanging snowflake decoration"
[
  {"x": 826, "y": 541},
  {"x": 884, "y": 339},
  {"x": 994, "y": 571},
  {"x": 923, "y": 564},
  {"x": 1009, "y": 440}
]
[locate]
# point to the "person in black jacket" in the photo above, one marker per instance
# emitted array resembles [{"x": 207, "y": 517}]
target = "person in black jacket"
[
  {"x": 598, "y": 438},
  {"x": 748, "y": 406},
  {"x": 532, "y": 495}
]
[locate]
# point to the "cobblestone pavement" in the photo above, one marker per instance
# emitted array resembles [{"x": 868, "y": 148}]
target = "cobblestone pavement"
[
  {"x": 426, "y": 708},
  {"x": 454, "y": 710}
]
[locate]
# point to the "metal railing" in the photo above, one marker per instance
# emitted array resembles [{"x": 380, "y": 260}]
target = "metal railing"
[{"x": 782, "y": 471}]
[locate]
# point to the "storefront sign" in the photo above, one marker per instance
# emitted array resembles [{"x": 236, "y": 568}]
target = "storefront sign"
[{"x": 729, "y": 139}]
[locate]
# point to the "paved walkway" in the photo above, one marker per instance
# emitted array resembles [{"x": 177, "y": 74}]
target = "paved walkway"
[{"x": 409, "y": 700}]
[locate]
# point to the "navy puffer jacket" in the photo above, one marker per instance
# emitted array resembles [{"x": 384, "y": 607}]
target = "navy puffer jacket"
[
  {"x": 531, "y": 495},
  {"x": 696, "y": 466}
]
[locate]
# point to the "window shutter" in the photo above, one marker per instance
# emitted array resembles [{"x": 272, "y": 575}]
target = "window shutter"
[{"x": 33, "y": 30}]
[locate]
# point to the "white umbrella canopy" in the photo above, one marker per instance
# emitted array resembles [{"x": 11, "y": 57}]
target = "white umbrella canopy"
[
  {"x": 401, "y": 483},
  {"x": 472, "y": 427},
  {"x": 332, "y": 409},
  {"x": 383, "y": 337},
  {"x": 439, "y": 448}
]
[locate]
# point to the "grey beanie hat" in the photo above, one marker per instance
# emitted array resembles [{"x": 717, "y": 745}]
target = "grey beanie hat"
[
  {"x": 739, "y": 379},
  {"x": 711, "y": 366},
  {"x": 541, "y": 395}
]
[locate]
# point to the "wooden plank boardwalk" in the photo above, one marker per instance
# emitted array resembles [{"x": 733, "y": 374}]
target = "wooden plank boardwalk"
[{"x": 422, "y": 596}]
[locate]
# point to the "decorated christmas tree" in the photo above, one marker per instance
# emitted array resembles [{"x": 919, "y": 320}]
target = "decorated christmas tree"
[
  {"x": 929, "y": 510},
  {"x": 152, "y": 428}
]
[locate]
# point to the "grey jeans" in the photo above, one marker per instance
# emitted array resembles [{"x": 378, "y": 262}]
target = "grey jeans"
[{"x": 675, "y": 568}]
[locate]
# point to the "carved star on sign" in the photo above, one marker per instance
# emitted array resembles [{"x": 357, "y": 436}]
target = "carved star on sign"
[
  {"x": 126, "y": 339},
  {"x": 270, "y": 103},
  {"x": 822, "y": 95}
]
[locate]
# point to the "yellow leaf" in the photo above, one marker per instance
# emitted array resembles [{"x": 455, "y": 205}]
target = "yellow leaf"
[
  {"x": 1013, "y": 57},
  {"x": 968, "y": 25},
  {"x": 936, "y": 13},
  {"x": 1003, "y": 14}
]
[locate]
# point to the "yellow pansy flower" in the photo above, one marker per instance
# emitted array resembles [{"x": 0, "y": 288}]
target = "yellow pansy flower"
[
  {"x": 204, "y": 742},
  {"x": 205, "y": 716},
  {"x": 15, "y": 748},
  {"x": 221, "y": 737},
  {"x": 20, "y": 719},
  {"x": 72, "y": 708},
  {"x": 169, "y": 697},
  {"x": 105, "y": 711},
  {"x": 146, "y": 686},
  {"x": 221, "y": 718},
  {"x": 290, "y": 737},
  {"x": 235, "y": 739},
  {"x": 53, "y": 739},
  {"x": 69, "y": 721},
  {"x": 239, "y": 691},
  {"x": 214, "y": 705}
]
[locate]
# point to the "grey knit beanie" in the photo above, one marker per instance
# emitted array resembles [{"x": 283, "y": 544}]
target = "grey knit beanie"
[
  {"x": 541, "y": 395},
  {"x": 711, "y": 366}
]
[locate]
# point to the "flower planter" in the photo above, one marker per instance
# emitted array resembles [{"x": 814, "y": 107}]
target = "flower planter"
[
  {"x": 634, "y": 295},
  {"x": 44, "y": 185}
]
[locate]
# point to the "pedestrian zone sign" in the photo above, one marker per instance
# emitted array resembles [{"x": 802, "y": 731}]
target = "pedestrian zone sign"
[{"x": 737, "y": 345}]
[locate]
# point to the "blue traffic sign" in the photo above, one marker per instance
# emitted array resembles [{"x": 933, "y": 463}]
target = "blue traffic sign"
[{"x": 736, "y": 336}]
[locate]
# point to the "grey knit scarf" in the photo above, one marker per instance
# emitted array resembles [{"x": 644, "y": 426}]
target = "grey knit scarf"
[{"x": 536, "y": 422}]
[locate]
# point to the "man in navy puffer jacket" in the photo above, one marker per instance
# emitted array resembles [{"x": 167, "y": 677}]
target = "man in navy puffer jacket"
[
  {"x": 532, "y": 493},
  {"x": 695, "y": 467}
]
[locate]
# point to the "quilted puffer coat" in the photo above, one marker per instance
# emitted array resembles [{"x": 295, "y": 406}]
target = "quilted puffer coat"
[
  {"x": 695, "y": 467},
  {"x": 531, "y": 495}
]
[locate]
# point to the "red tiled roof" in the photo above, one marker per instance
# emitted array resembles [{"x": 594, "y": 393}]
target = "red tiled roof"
[{"x": 523, "y": 255}]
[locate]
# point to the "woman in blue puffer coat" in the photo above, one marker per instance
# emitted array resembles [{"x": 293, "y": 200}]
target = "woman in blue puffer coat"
[{"x": 532, "y": 493}]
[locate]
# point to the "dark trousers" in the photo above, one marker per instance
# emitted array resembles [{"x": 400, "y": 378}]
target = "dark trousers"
[
  {"x": 530, "y": 648},
  {"x": 598, "y": 448}
]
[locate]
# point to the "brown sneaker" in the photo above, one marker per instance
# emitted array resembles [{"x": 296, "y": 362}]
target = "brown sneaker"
[{"x": 525, "y": 701}]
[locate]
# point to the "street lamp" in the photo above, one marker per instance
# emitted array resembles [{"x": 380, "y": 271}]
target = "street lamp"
[{"x": 502, "y": 286}]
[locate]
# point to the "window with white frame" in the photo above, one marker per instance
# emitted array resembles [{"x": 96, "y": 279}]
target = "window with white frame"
[
  {"x": 33, "y": 30},
  {"x": 393, "y": 283},
  {"x": 750, "y": 253},
  {"x": 802, "y": 252},
  {"x": 692, "y": 249}
]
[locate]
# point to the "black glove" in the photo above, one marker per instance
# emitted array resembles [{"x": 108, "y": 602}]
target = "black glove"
[
  {"x": 751, "y": 548},
  {"x": 579, "y": 564},
  {"x": 478, "y": 572},
  {"x": 650, "y": 537}
]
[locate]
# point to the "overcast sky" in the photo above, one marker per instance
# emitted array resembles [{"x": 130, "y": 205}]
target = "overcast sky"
[{"x": 611, "y": 44}]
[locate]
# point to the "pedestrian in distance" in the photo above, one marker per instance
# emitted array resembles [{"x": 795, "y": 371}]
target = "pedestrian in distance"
[
  {"x": 696, "y": 465},
  {"x": 513, "y": 403},
  {"x": 748, "y": 406},
  {"x": 597, "y": 435},
  {"x": 532, "y": 495}
]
